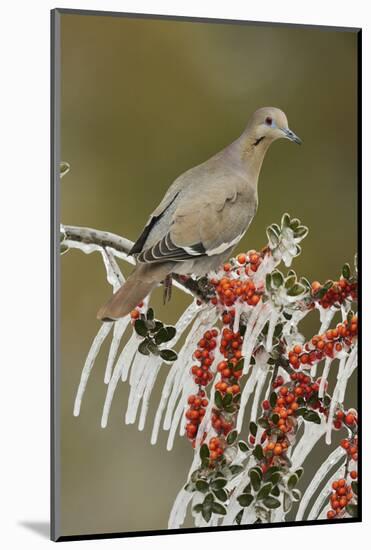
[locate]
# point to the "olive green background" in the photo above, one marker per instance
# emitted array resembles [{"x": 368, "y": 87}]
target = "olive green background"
[{"x": 141, "y": 101}]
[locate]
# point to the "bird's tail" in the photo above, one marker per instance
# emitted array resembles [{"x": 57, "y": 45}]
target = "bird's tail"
[{"x": 138, "y": 285}]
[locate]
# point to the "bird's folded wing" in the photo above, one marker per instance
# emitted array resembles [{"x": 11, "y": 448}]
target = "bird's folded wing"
[{"x": 203, "y": 225}]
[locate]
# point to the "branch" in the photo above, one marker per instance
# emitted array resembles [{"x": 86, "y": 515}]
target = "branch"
[{"x": 90, "y": 240}]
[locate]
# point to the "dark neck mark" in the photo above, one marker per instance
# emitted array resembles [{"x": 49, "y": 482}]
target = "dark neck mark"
[{"x": 258, "y": 141}]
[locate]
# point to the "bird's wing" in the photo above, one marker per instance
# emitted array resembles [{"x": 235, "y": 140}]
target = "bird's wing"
[
  {"x": 205, "y": 222},
  {"x": 169, "y": 198}
]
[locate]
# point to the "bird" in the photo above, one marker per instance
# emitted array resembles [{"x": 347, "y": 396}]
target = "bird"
[{"x": 203, "y": 215}]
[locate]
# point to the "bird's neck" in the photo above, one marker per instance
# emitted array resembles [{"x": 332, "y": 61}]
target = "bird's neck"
[{"x": 249, "y": 152}]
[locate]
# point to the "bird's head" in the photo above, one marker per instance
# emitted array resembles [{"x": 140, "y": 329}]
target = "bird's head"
[{"x": 270, "y": 123}]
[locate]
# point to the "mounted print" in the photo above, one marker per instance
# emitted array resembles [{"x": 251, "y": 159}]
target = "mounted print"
[{"x": 205, "y": 179}]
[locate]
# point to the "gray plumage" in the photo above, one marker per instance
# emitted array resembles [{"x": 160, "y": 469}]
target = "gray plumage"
[{"x": 203, "y": 215}]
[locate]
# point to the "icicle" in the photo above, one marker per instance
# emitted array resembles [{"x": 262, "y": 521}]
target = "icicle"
[
  {"x": 114, "y": 275},
  {"x": 250, "y": 338},
  {"x": 170, "y": 380},
  {"x": 118, "y": 331},
  {"x": 324, "y": 495},
  {"x": 179, "y": 510},
  {"x": 205, "y": 322},
  {"x": 137, "y": 371},
  {"x": 150, "y": 366},
  {"x": 146, "y": 397},
  {"x": 335, "y": 400},
  {"x": 275, "y": 315},
  {"x": 319, "y": 476},
  {"x": 326, "y": 316},
  {"x": 262, "y": 378},
  {"x": 238, "y": 310},
  {"x": 127, "y": 355},
  {"x": 312, "y": 433},
  {"x": 326, "y": 370},
  {"x": 89, "y": 364},
  {"x": 247, "y": 391}
]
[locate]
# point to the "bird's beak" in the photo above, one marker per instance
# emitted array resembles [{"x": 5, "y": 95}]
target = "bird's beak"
[{"x": 289, "y": 134}]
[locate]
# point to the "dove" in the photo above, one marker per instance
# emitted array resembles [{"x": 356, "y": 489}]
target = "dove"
[{"x": 203, "y": 215}]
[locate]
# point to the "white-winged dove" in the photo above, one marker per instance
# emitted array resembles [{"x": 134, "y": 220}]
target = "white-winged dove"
[{"x": 203, "y": 215}]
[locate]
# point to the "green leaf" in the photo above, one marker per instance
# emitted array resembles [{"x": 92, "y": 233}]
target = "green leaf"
[
  {"x": 255, "y": 479},
  {"x": 168, "y": 355},
  {"x": 165, "y": 334},
  {"x": 197, "y": 508},
  {"x": 227, "y": 399},
  {"x": 301, "y": 411},
  {"x": 221, "y": 495},
  {"x": 218, "y": 483},
  {"x": 352, "y": 510},
  {"x": 150, "y": 314},
  {"x": 239, "y": 365},
  {"x": 285, "y": 220},
  {"x": 253, "y": 428},
  {"x": 264, "y": 491},
  {"x": 311, "y": 416},
  {"x": 296, "y": 494},
  {"x": 140, "y": 327},
  {"x": 238, "y": 518},
  {"x": 276, "y": 491},
  {"x": 301, "y": 232},
  {"x": 292, "y": 481},
  {"x": 272, "y": 470},
  {"x": 277, "y": 278},
  {"x": 272, "y": 236},
  {"x": 206, "y": 513},
  {"x": 296, "y": 290},
  {"x": 171, "y": 332},
  {"x": 143, "y": 347},
  {"x": 231, "y": 437},
  {"x": 208, "y": 500},
  {"x": 294, "y": 224},
  {"x": 202, "y": 486},
  {"x": 218, "y": 400},
  {"x": 273, "y": 399},
  {"x": 245, "y": 499},
  {"x": 204, "y": 451},
  {"x": 275, "y": 478},
  {"x": 299, "y": 472},
  {"x": 290, "y": 281},
  {"x": 271, "y": 502},
  {"x": 355, "y": 487},
  {"x": 236, "y": 469},
  {"x": 275, "y": 418},
  {"x": 219, "y": 509},
  {"x": 243, "y": 446},
  {"x": 346, "y": 271},
  {"x": 258, "y": 452},
  {"x": 153, "y": 348},
  {"x": 158, "y": 325}
]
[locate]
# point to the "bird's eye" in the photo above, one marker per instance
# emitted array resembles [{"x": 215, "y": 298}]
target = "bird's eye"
[{"x": 269, "y": 120}]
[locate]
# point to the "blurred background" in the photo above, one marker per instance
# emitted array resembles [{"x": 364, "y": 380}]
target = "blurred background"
[{"x": 142, "y": 101}]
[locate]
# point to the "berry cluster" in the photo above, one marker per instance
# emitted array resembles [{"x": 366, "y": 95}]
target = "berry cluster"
[
  {"x": 195, "y": 413},
  {"x": 216, "y": 448},
  {"x": 341, "y": 496},
  {"x": 336, "y": 294},
  {"x": 202, "y": 376},
  {"x": 351, "y": 445},
  {"x": 280, "y": 411},
  {"x": 330, "y": 343},
  {"x": 236, "y": 283},
  {"x": 349, "y": 420}
]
